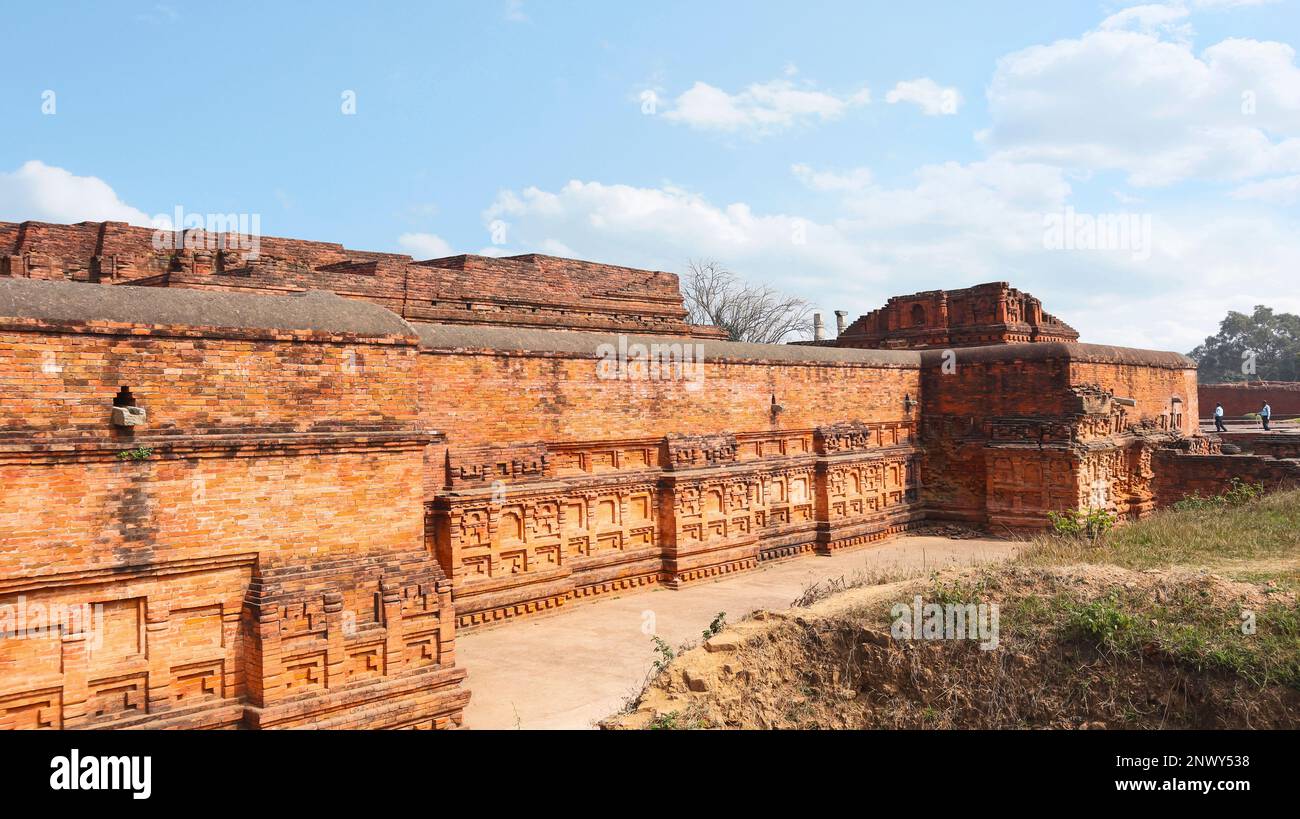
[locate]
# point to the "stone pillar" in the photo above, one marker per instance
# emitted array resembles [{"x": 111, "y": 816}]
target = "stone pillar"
[
  {"x": 447, "y": 625},
  {"x": 232, "y": 668},
  {"x": 819, "y": 329},
  {"x": 270, "y": 677},
  {"x": 335, "y": 652},
  {"x": 840, "y": 315},
  {"x": 390, "y": 595},
  {"x": 157, "y": 646},
  {"x": 76, "y": 689}
]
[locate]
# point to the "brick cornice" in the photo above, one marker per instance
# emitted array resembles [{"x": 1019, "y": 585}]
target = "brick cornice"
[{"x": 172, "y": 447}]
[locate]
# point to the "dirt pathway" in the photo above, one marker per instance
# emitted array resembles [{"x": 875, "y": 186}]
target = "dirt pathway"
[{"x": 570, "y": 669}]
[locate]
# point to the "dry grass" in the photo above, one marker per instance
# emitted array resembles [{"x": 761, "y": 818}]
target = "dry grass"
[{"x": 871, "y": 576}]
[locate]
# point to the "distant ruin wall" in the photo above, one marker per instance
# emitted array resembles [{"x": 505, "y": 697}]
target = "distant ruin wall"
[
  {"x": 1180, "y": 474},
  {"x": 1239, "y": 399},
  {"x": 530, "y": 290},
  {"x": 992, "y": 313}
]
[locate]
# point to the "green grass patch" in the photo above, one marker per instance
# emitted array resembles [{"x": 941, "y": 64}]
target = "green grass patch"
[
  {"x": 1243, "y": 535},
  {"x": 1256, "y": 539},
  {"x": 1263, "y": 647}
]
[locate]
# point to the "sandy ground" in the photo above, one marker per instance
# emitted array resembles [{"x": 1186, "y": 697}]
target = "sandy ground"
[{"x": 569, "y": 669}]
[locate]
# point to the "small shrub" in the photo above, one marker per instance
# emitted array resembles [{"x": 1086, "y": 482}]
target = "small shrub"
[
  {"x": 1238, "y": 493},
  {"x": 1196, "y": 503},
  {"x": 1073, "y": 523},
  {"x": 1241, "y": 493},
  {"x": 1101, "y": 621},
  {"x": 665, "y": 654},
  {"x": 140, "y": 453},
  {"x": 958, "y": 592},
  {"x": 664, "y": 722},
  {"x": 718, "y": 624}
]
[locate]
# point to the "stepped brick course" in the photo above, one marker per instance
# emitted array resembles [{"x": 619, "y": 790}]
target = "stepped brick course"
[{"x": 527, "y": 291}]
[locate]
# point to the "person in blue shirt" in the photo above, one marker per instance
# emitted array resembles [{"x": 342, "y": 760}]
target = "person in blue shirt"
[
  {"x": 1218, "y": 419},
  {"x": 1265, "y": 413}
]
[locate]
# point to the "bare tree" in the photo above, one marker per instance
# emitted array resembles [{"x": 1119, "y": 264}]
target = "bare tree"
[{"x": 748, "y": 312}]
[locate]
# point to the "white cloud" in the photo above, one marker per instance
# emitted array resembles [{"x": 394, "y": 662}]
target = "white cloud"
[
  {"x": 932, "y": 98},
  {"x": 663, "y": 227},
  {"x": 1153, "y": 19},
  {"x": 424, "y": 245},
  {"x": 1132, "y": 96},
  {"x": 1227, "y": 262},
  {"x": 1138, "y": 102},
  {"x": 1230, "y": 4},
  {"x": 1280, "y": 191},
  {"x": 158, "y": 15},
  {"x": 953, "y": 225},
  {"x": 514, "y": 12},
  {"x": 761, "y": 108},
  {"x": 850, "y": 180},
  {"x": 956, "y": 224},
  {"x": 553, "y": 248},
  {"x": 45, "y": 193}
]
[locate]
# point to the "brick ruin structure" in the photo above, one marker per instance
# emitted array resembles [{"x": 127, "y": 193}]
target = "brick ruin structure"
[
  {"x": 994, "y": 313},
  {"x": 286, "y": 482}
]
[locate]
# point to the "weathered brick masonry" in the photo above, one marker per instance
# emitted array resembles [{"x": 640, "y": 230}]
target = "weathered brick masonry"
[
  {"x": 1012, "y": 432},
  {"x": 560, "y": 482},
  {"x": 993, "y": 313},
  {"x": 324, "y": 487},
  {"x": 1283, "y": 398},
  {"x": 524, "y": 291},
  {"x": 254, "y": 552}
]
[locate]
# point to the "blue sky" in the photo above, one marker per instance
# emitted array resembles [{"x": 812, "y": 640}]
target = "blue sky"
[{"x": 843, "y": 152}]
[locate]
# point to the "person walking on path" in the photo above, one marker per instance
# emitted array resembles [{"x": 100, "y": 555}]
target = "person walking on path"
[
  {"x": 1265, "y": 413},
  {"x": 1218, "y": 419}
]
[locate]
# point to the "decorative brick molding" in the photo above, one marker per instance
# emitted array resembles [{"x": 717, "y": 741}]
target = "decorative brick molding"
[{"x": 993, "y": 313}]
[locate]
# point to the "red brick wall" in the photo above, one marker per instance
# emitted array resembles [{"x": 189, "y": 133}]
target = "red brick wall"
[
  {"x": 1238, "y": 399},
  {"x": 1014, "y": 380},
  {"x": 993, "y": 313},
  {"x": 276, "y": 496},
  {"x": 960, "y": 397},
  {"x": 528, "y": 290},
  {"x": 294, "y": 484},
  {"x": 64, "y": 383},
  {"x": 984, "y": 389},
  {"x": 197, "y": 500},
  {"x": 1153, "y": 388},
  {"x": 504, "y": 398},
  {"x": 1180, "y": 474},
  {"x": 564, "y": 484},
  {"x": 1004, "y": 429}
]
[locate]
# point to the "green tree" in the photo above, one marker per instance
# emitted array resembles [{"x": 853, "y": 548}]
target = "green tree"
[{"x": 1270, "y": 341}]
